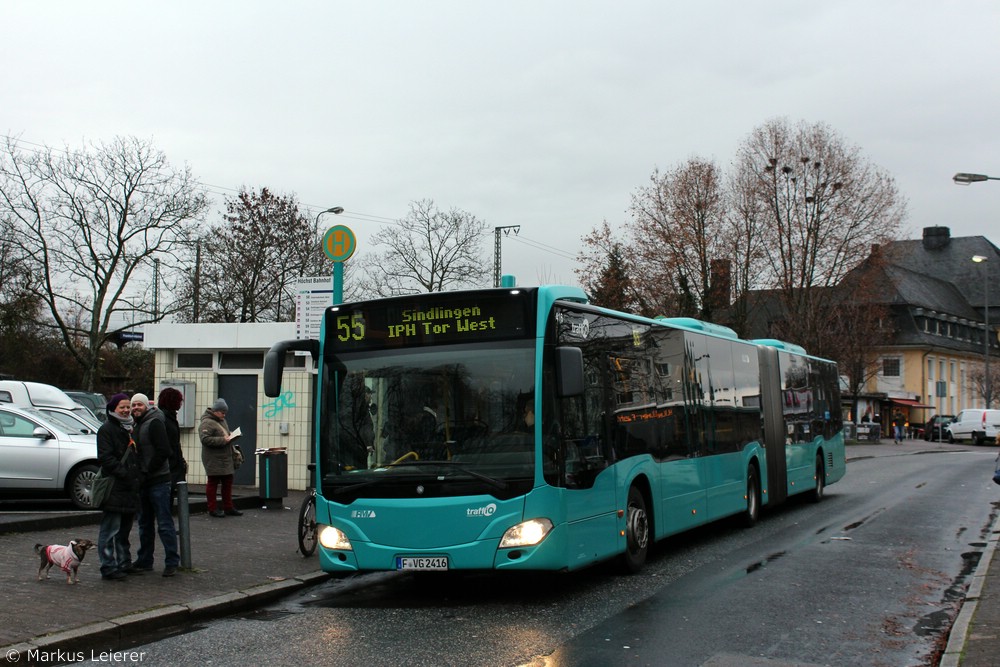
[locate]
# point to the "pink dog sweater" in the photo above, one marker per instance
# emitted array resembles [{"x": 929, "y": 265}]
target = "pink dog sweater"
[{"x": 62, "y": 556}]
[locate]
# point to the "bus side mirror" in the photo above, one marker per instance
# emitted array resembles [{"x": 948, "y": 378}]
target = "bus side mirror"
[
  {"x": 274, "y": 362},
  {"x": 569, "y": 372}
]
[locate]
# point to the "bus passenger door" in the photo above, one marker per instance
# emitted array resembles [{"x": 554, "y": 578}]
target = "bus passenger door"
[{"x": 585, "y": 472}]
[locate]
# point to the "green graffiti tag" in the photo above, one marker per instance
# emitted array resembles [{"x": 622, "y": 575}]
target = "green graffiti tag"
[{"x": 275, "y": 407}]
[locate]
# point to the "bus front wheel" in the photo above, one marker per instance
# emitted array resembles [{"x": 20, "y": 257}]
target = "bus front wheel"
[{"x": 636, "y": 531}]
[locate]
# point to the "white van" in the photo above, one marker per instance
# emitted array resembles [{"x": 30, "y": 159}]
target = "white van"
[
  {"x": 980, "y": 426},
  {"x": 38, "y": 395}
]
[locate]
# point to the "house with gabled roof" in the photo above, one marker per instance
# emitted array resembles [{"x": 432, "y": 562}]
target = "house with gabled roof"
[{"x": 937, "y": 297}]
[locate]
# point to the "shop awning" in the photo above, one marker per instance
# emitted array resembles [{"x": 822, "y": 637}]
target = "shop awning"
[{"x": 909, "y": 403}]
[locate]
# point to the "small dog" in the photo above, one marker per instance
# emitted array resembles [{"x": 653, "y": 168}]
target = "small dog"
[{"x": 67, "y": 557}]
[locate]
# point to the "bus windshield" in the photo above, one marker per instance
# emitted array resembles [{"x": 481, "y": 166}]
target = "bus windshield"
[{"x": 452, "y": 418}]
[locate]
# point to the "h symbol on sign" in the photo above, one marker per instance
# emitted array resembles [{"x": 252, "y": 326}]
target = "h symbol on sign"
[{"x": 339, "y": 242}]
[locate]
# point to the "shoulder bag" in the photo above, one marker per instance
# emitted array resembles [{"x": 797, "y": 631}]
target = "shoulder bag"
[{"x": 100, "y": 486}]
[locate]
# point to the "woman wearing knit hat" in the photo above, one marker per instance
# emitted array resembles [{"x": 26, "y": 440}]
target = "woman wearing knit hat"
[
  {"x": 217, "y": 456},
  {"x": 114, "y": 439}
]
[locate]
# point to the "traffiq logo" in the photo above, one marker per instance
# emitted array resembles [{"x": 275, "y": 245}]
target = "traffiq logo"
[{"x": 487, "y": 510}]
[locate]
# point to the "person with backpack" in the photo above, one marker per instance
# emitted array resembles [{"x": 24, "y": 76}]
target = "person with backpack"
[{"x": 169, "y": 402}]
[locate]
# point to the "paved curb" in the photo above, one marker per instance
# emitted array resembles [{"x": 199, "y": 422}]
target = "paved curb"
[
  {"x": 41, "y": 521},
  {"x": 952, "y": 656},
  {"x": 77, "y": 644}
]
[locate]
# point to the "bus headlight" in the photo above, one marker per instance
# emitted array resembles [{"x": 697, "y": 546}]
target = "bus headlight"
[
  {"x": 526, "y": 534},
  {"x": 333, "y": 538}
]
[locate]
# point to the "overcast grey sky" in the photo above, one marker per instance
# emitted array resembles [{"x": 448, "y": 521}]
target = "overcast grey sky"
[{"x": 542, "y": 114}]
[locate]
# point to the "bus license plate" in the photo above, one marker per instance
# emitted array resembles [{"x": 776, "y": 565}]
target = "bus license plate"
[{"x": 422, "y": 563}]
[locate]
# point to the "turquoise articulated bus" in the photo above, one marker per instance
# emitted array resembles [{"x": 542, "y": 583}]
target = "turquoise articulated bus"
[{"x": 524, "y": 429}]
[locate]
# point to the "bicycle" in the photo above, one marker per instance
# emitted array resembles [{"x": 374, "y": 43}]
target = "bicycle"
[{"x": 307, "y": 520}]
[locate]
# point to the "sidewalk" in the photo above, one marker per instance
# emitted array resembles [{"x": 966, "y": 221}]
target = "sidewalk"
[
  {"x": 237, "y": 563},
  {"x": 244, "y": 562}
]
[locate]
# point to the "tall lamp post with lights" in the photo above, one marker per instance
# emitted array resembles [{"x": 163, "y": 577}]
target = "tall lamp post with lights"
[{"x": 967, "y": 179}]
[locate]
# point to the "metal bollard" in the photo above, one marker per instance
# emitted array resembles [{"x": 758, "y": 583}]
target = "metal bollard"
[{"x": 184, "y": 524}]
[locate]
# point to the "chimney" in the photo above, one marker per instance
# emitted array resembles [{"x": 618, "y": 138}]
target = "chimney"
[
  {"x": 936, "y": 238},
  {"x": 720, "y": 291}
]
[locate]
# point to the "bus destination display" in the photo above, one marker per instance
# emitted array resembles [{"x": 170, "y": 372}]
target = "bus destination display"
[{"x": 428, "y": 319}]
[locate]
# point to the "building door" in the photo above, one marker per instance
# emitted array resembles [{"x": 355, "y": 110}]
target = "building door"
[{"x": 240, "y": 392}]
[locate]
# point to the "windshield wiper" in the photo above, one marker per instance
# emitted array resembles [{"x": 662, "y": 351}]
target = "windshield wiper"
[
  {"x": 500, "y": 484},
  {"x": 344, "y": 489}
]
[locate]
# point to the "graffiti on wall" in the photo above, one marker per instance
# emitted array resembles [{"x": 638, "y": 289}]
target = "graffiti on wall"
[{"x": 274, "y": 408}]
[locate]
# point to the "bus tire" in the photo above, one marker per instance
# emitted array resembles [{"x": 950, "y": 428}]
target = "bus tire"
[
  {"x": 817, "y": 493},
  {"x": 752, "y": 512},
  {"x": 636, "y": 532}
]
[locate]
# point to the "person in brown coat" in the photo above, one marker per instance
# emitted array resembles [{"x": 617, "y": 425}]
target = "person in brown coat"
[{"x": 217, "y": 457}]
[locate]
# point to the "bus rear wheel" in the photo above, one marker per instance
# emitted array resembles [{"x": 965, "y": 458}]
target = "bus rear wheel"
[
  {"x": 636, "y": 531},
  {"x": 820, "y": 487},
  {"x": 752, "y": 512}
]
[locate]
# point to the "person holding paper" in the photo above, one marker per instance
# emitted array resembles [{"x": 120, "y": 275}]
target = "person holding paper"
[{"x": 217, "y": 456}]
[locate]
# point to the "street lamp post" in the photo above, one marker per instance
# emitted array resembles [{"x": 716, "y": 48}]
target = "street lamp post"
[
  {"x": 963, "y": 178},
  {"x": 987, "y": 388}
]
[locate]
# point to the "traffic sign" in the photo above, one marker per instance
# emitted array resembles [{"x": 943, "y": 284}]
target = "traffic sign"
[{"x": 339, "y": 243}]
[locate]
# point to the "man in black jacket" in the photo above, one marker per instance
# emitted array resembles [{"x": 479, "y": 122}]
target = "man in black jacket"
[{"x": 150, "y": 435}]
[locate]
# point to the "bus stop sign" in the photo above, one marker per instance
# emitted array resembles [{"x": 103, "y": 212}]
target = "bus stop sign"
[{"x": 339, "y": 243}]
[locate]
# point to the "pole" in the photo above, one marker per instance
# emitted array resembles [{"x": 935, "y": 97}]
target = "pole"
[
  {"x": 496, "y": 249},
  {"x": 987, "y": 385},
  {"x": 184, "y": 524},
  {"x": 986, "y": 334},
  {"x": 156, "y": 288},
  {"x": 197, "y": 281},
  {"x": 963, "y": 178},
  {"x": 338, "y": 283}
]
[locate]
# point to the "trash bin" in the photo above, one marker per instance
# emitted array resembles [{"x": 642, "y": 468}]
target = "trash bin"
[{"x": 273, "y": 468}]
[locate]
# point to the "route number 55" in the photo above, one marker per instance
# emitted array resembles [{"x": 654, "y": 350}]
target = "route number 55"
[{"x": 350, "y": 327}]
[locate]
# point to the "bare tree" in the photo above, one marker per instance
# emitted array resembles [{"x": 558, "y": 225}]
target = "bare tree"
[
  {"x": 825, "y": 204},
  {"x": 745, "y": 218},
  {"x": 19, "y": 307},
  {"x": 428, "y": 251},
  {"x": 245, "y": 268},
  {"x": 606, "y": 271},
  {"x": 977, "y": 380},
  {"x": 93, "y": 221},
  {"x": 679, "y": 227},
  {"x": 859, "y": 325}
]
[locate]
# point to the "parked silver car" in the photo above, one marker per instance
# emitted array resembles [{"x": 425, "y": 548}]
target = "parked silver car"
[
  {"x": 41, "y": 457},
  {"x": 72, "y": 420},
  {"x": 37, "y": 395}
]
